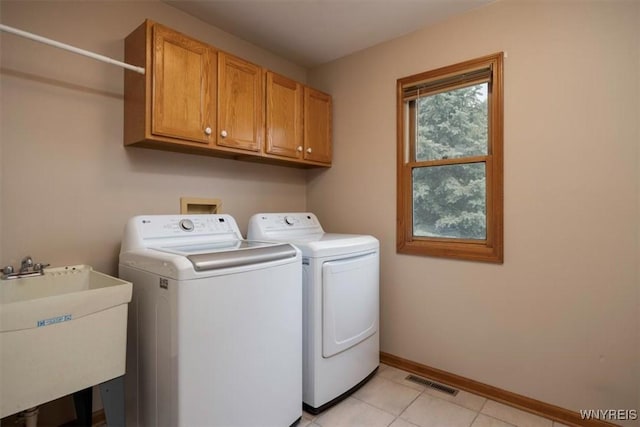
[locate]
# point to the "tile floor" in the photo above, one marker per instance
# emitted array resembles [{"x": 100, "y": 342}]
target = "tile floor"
[{"x": 389, "y": 400}]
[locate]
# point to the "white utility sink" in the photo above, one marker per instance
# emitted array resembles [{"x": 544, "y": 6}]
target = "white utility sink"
[{"x": 60, "y": 332}]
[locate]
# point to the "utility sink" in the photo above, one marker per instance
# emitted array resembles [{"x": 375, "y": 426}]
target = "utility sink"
[{"x": 60, "y": 332}]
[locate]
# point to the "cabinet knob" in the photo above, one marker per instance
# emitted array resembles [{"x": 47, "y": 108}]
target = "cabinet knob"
[
  {"x": 207, "y": 130},
  {"x": 223, "y": 133},
  {"x": 299, "y": 148},
  {"x": 309, "y": 150}
]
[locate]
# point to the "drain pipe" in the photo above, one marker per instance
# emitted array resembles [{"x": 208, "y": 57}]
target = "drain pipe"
[{"x": 30, "y": 417}]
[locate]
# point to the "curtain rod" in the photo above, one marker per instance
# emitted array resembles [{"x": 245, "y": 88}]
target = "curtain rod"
[{"x": 70, "y": 48}]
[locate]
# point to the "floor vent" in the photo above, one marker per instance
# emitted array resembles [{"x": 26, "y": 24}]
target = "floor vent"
[{"x": 431, "y": 384}]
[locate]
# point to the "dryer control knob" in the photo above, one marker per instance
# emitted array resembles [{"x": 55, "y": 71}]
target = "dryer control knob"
[
  {"x": 289, "y": 220},
  {"x": 186, "y": 225}
]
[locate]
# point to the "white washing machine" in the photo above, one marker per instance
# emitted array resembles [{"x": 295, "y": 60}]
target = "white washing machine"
[
  {"x": 341, "y": 348},
  {"x": 215, "y": 326}
]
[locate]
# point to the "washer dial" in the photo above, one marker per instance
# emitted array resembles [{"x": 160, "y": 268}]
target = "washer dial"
[{"x": 186, "y": 225}]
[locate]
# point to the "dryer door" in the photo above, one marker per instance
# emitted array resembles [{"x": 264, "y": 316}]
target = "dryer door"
[{"x": 350, "y": 302}]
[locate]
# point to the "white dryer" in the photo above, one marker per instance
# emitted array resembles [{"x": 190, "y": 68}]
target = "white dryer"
[
  {"x": 341, "y": 304},
  {"x": 215, "y": 326}
]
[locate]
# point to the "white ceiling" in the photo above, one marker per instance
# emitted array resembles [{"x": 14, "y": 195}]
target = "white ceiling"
[{"x": 313, "y": 32}]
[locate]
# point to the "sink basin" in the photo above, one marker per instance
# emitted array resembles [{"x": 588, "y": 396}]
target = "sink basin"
[{"x": 60, "y": 332}]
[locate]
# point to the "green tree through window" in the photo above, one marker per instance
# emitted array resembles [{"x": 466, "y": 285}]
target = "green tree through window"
[{"x": 449, "y": 201}]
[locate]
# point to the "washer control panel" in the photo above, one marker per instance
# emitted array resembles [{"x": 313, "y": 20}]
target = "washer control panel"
[{"x": 159, "y": 226}]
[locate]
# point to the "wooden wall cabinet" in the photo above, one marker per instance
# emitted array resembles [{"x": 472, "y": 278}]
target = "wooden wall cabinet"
[
  {"x": 298, "y": 121},
  {"x": 174, "y": 102},
  {"x": 284, "y": 117},
  {"x": 317, "y": 126},
  {"x": 240, "y": 104},
  {"x": 196, "y": 99}
]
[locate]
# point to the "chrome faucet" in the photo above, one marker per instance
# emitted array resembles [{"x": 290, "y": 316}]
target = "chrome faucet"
[
  {"x": 27, "y": 269},
  {"x": 26, "y": 264}
]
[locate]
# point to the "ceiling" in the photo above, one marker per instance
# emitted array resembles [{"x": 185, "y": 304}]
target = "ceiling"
[{"x": 313, "y": 32}]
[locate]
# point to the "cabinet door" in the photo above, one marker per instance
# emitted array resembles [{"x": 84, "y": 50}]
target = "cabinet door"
[
  {"x": 284, "y": 116},
  {"x": 317, "y": 126},
  {"x": 184, "y": 78},
  {"x": 240, "y": 104}
]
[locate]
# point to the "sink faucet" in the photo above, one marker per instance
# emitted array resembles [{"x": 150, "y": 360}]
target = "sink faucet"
[
  {"x": 27, "y": 268},
  {"x": 26, "y": 264}
]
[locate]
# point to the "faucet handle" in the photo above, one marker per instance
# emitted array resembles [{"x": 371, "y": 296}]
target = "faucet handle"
[
  {"x": 39, "y": 266},
  {"x": 8, "y": 270}
]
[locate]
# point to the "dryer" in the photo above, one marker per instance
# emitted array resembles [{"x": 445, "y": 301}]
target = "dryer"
[
  {"x": 215, "y": 327},
  {"x": 340, "y": 275}
]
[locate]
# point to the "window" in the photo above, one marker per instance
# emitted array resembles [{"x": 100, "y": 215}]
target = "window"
[{"x": 450, "y": 161}]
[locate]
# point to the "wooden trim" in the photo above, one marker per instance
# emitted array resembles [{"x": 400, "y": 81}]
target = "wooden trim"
[
  {"x": 135, "y": 103},
  {"x": 495, "y": 201},
  {"x": 448, "y": 71},
  {"x": 98, "y": 418},
  {"x": 518, "y": 401},
  {"x": 401, "y": 226},
  {"x": 451, "y": 161},
  {"x": 491, "y": 248}
]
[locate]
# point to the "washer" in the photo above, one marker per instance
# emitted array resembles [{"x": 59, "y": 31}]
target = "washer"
[
  {"x": 341, "y": 349},
  {"x": 215, "y": 325}
]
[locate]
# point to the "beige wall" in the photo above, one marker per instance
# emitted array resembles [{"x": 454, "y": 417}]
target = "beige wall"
[
  {"x": 559, "y": 320},
  {"x": 68, "y": 184}
]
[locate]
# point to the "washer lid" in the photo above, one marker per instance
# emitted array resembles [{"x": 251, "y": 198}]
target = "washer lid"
[{"x": 232, "y": 253}]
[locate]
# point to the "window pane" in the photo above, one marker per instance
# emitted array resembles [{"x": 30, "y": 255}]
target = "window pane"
[
  {"x": 452, "y": 124},
  {"x": 450, "y": 201}
]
